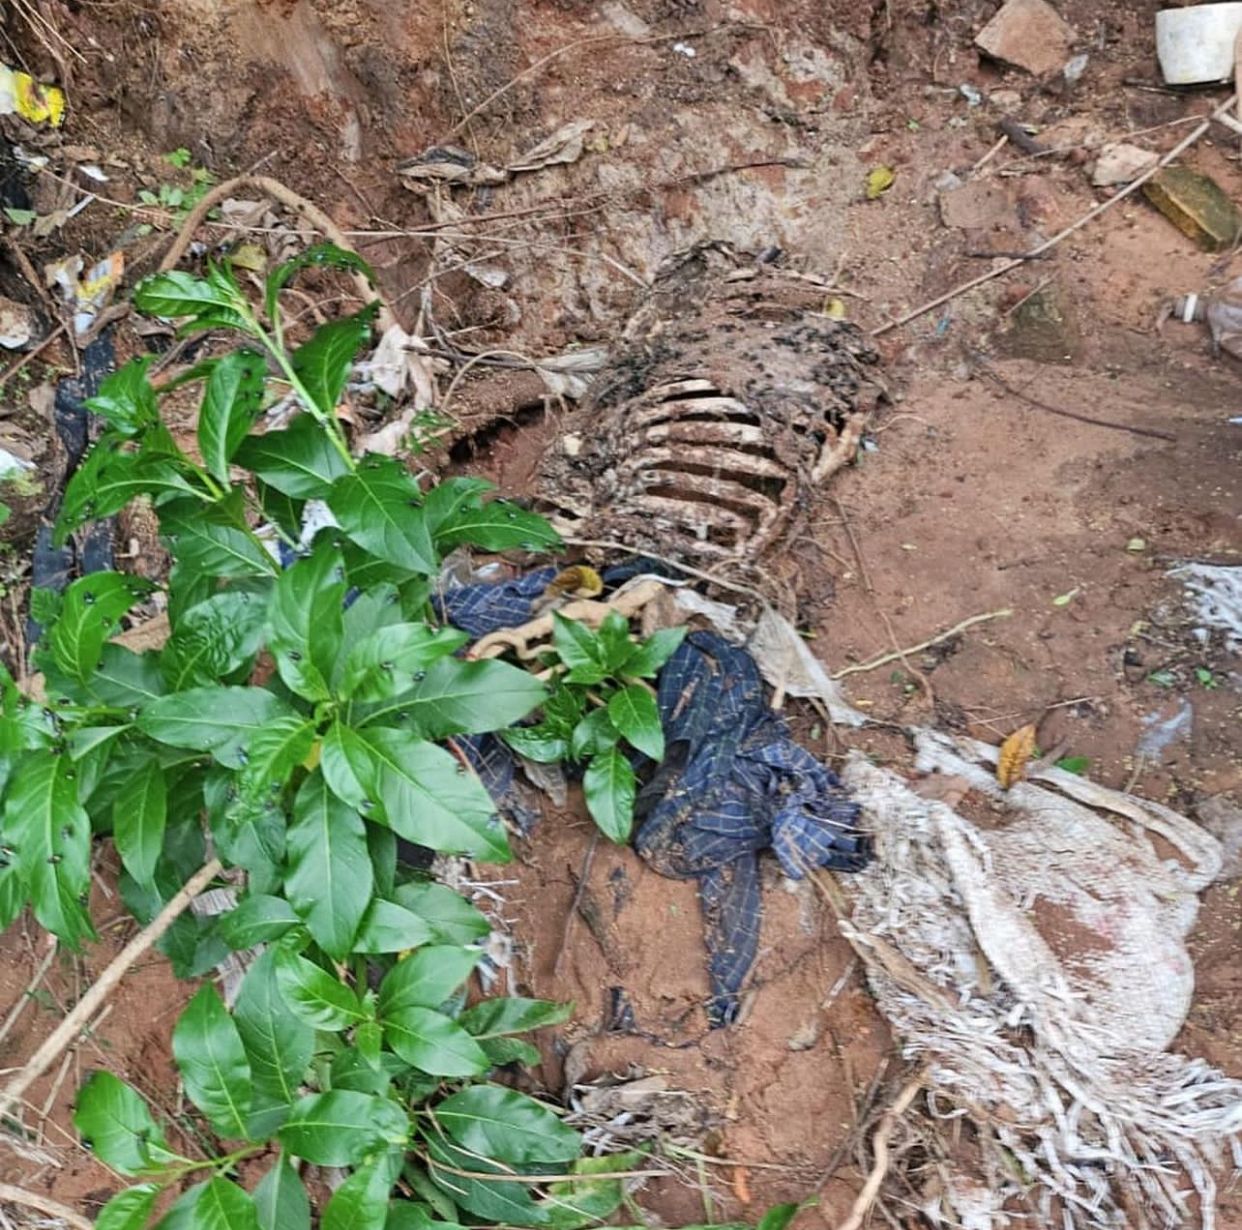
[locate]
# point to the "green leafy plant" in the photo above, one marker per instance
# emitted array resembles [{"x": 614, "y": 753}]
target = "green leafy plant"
[
  {"x": 599, "y": 703},
  {"x": 298, "y": 714},
  {"x": 179, "y": 199}
]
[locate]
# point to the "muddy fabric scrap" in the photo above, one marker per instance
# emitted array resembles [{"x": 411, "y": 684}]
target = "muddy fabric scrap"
[{"x": 732, "y": 784}]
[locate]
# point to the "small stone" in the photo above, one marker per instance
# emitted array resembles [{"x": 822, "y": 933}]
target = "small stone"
[
  {"x": 1044, "y": 329},
  {"x": 1030, "y": 34},
  {"x": 1196, "y": 205},
  {"x": 1005, "y": 100},
  {"x": 981, "y": 205},
  {"x": 1223, "y": 820},
  {"x": 1120, "y": 163}
]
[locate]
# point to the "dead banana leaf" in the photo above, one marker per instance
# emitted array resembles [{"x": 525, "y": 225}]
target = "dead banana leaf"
[{"x": 1015, "y": 752}]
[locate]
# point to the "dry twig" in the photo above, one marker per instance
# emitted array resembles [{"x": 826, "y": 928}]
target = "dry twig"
[
  {"x": 879, "y": 1146},
  {"x": 90, "y": 1003},
  {"x": 43, "y": 1204},
  {"x": 1184, "y": 144},
  {"x": 885, "y": 659}
]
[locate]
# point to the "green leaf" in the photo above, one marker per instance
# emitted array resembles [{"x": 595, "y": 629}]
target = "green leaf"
[
  {"x": 508, "y": 1126},
  {"x": 580, "y": 649},
  {"x": 592, "y": 1198},
  {"x": 595, "y": 733},
  {"x": 273, "y": 753},
  {"x": 361, "y": 1202},
  {"x": 126, "y": 399},
  {"x": 129, "y": 1209},
  {"x": 213, "y": 638},
  {"x": 536, "y": 743},
  {"x": 341, "y": 1128},
  {"x": 280, "y": 1199},
  {"x": 380, "y": 665},
  {"x": 610, "y": 788},
  {"x": 256, "y": 919},
  {"x": 495, "y": 526},
  {"x": 224, "y": 1206},
  {"x": 117, "y": 1125},
  {"x": 1075, "y": 764},
  {"x": 214, "y": 539},
  {"x": 214, "y": 1069},
  {"x": 314, "y": 996},
  {"x": 377, "y": 507},
  {"x": 50, "y": 836},
  {"x": 452, "y": 918},
  {"x": 614, "y": 639},
  {"x": 306, "y": 621},
  {"x": 124, "y": 679},
  {"x": 318, "y": 256},
  {"x": 222, "y": 721},
  {"x": 507, "y": 1203},
  {"x": 278, "y": 1044},
  {"x": 351, "y": 1071},
  {"x": 433, "y": 1198},
  {"x": 646, "y": 659},
  {"x": 779, "y": 1216},
  {"x": 512, "y": 1015},
  {"x": 300, "y": 461},
  {"x": 388, "y": 927},
  {"x": 138, "y": 819},
  {"x": 110, "y": 476},
  {"x": 368, "y": 1040},
  {"x": 459, "y": 698},
  {"x": 177, "y": 293},
  {"x": 634, "y": 713},
  {"x": 232, "y": 401},
  {"x": 433, "y": 1043},
  {"x": 323, "y": 362},
  {"x": 329, "y": 878},
  {"x": 426, "y": 979},
  {"x": 419, "y": 790},
  {"x": 89, "y": 615}
]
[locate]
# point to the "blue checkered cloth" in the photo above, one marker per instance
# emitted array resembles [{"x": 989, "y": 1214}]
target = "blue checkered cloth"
[{"x": 732, "y": 783}]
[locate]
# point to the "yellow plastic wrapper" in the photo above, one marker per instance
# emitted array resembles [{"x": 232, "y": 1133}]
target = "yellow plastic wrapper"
[{"x": 21, "y": 94}]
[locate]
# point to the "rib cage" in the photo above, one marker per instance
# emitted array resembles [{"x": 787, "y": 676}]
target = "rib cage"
[{"x": 732, "y": 397}]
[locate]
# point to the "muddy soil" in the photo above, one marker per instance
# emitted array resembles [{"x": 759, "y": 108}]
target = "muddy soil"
[{"x": 755, "y": 122}]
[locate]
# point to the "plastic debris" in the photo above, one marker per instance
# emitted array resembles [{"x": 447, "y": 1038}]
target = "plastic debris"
[
  {"x": 87, "y": 295},
  {"x": 879, "y": 181},
  {"x": 1165, "y": 728},
  {"x": 1195, "y": 44},
  {"x": 18, "y": 324},
  {"x": 1059, "y": 1044},
  {"x": 21, "y": 94},
  {"x": 450, "y": 164},
  {"x": 1215, "y": 592}
]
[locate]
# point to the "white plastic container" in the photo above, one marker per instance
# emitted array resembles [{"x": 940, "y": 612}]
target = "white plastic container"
[{"x": 1195, "y": 45}]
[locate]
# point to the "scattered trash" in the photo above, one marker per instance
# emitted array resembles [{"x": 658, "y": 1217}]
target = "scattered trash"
[
  {"x": 1120, "y": 163},
  {"x": 1195, "y": 45},
  {"x": 18, "y": 324},
  {"x": 88, "y": 296},
  {"x": 973, "y": 96},
  {"x": 1057, "y": 1044},
  {"x": 684, "y": 49},
  {"x": 1030, "y": 34},
  {"x": 669, "y": 458},
  {"x": 1196, "y": 205},
  {"x": 450, "y": 164},
  {"x": 1223, "y": 819},
  {"x": 1222, "y": 311},
  {"x": 1074, "y": 69},
  {"x": 12, "y": 466},
  {"x": 879, "y": 181},
  {"x": 1216, "y": 595},
  {"x": 1165, "y": 727},
  {"x": 1135, "y": 545},
  {"x": 22, "y": 95}
]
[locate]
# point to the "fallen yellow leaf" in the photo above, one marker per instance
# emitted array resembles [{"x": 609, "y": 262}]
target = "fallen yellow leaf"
[
  {"x": 1015, "y": 753},
  {"x": 879, "y": 181}
]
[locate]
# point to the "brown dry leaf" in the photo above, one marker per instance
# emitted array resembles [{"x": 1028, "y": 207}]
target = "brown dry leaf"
[{"x": 1014, "y": 754}]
